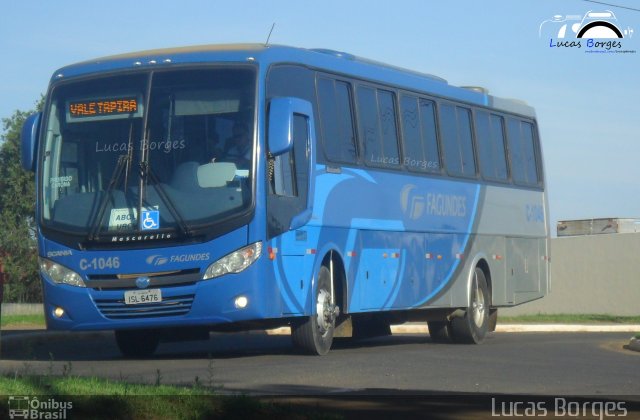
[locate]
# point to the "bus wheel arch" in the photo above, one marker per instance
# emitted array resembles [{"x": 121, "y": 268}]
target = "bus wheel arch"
[
  {"x": 314, "y": 334},
  {"x": 474, "y": 324},
  {"x": 339, "y": 278},
  {"x": 493, "y": 312}
]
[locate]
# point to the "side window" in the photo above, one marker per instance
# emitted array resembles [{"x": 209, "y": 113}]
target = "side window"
[
  {"x": 491, "y": 149},
  {"x": 528, "y": 145},
  {"x": 377, "y": 123},
  {"x": 420, "y": 145},
  {"x": 336, "y": 120},
  {"x": 455, "y": 122},
  {"x": 387, "y": 112},
  {"x": 522, "y": 151}
]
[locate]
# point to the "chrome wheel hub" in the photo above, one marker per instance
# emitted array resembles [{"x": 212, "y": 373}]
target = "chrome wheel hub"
[
  {"x": 478, "y": 307},
  {"x": 324, "y": 310}
]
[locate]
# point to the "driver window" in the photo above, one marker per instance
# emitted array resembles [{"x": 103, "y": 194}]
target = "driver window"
[{"x": 289, "y": 179}]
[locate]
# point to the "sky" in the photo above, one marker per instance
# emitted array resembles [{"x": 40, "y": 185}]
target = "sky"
[{"x": 587, "y": 103}]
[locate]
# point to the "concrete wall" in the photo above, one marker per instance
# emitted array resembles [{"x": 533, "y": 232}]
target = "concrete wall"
[
  {"x": 596, "y": 274},
  {"x": 22, "y": 308}
]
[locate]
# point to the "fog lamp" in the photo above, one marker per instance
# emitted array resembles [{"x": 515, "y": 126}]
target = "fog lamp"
[{"x": 241, "y": 302}]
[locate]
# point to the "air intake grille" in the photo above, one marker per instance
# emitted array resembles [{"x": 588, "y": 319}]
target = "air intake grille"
[{"x": 170, "y": 306}]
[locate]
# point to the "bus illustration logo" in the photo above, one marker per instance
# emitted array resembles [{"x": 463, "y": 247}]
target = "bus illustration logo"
[
  {"x": 22, "y": 407},
  {"x": 18, "y": 407},
  {"x": 593, "y": 25},
  {"x": 150, "y": 220}
]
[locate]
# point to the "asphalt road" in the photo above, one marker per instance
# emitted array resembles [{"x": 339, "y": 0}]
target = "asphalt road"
[{"x": 592, "y": 364}]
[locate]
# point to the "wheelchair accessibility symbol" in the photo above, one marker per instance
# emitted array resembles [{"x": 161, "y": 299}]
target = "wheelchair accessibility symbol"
[{"x": 150, "y": 220}]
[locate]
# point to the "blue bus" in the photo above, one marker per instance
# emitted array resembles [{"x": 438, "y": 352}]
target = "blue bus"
[{"x": 225, "y": 187}]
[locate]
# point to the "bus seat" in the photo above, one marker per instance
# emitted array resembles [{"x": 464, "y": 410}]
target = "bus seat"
[
  {"x": 186, "y": 176},
  {"x": 216, "y": 174}
]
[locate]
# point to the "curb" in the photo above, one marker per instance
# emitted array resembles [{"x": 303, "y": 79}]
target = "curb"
[
  {"x": 408, "y": 328},
  {"x": 568, "y": 328},
  {"x": 421, "y": 328}
]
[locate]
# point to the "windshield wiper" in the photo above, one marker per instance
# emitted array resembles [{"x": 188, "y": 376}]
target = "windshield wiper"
[
  {"x": 147, "y": 172},
  {"x": 116, "y": 176}
]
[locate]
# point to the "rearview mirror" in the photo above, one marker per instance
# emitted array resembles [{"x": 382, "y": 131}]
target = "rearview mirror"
[
  {"x": 29, "y": 140},
  {"x": 281, "y": 111}
]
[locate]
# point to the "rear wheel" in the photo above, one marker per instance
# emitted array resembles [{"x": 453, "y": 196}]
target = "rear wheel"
[
  {"x": 137, "y": 343},
  {"x": 314, "y": 334},
  {"x": 473, "y": 326}
]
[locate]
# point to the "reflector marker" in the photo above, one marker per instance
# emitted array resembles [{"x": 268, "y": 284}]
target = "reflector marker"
[
  {"x": 272, "y": 252},
  {"x": 311, "y": 251}
]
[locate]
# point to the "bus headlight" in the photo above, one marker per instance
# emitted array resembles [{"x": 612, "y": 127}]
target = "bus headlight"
[
  {"x": 235, "y": 262},
  {"x": 60, "y": 274}
]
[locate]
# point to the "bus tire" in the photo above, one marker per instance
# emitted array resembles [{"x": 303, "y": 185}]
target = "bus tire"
[
  {"x": 135, "y": 344},
  {"x": 474, "y": 325},
  {"x": 440, "y": 331},
  {"x": 314, "y": 334}
]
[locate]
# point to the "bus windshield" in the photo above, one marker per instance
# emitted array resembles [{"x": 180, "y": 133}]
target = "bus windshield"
[{"x": 148, "y": 152}]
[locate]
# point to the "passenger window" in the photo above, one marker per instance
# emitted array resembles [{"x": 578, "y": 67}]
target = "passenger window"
[
  {"x": 336, "y": 120},
  {"x": 387, "y": 112},
  {"x": 457, "y": 141},
  {"x": 528, "y": 145},
  {"x": 377, "y": 122},
  {"x": 522, "y": 151},
  {"x": 491, "y": 149},
  {"x": 419, "y": 135}
]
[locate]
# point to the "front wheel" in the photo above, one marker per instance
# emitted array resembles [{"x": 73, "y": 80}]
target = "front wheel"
[
  {"x": 474, "y": 325},
  {"x": 314, "y": 334}
]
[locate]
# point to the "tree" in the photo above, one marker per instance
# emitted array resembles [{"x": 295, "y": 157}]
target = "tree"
[{"x": 18, "y": 247}]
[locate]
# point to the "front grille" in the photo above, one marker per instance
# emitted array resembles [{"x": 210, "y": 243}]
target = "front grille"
[
  {"x": 128, "y": 281},
  {"x": 170, "y": 306}
]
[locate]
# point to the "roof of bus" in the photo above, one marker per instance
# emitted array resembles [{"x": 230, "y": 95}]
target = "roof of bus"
[{"x": 328, "y": 60}]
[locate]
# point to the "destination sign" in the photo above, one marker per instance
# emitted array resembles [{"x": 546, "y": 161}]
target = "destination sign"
[{"x": 107, "y": 108}]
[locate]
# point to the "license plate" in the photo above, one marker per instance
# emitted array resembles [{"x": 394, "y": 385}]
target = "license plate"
[{"x": 136, "y": 297}]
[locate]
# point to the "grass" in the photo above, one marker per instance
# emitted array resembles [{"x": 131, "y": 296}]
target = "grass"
[
  {"x": 105, "y": 399},
  {"x": 569, "y": 319},
  {"x": 16, "y": 321}
]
